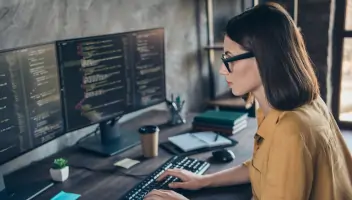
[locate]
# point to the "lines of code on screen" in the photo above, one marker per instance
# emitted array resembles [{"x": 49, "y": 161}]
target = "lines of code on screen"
[
  {"x": 94, "y": 87},
  {"x": 30, "y": 103},
  {"x": 108, "y": 76},
  {"x": 147, "y": 73}
]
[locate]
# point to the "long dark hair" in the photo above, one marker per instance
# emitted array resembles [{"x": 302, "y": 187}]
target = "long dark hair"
[{"x": 285, "y": 68}]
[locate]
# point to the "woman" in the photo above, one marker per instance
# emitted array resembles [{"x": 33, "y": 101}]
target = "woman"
[{"x": 299, "y": 152}]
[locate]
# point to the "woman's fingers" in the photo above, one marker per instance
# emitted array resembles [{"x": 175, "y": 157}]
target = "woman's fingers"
[
  {"x": 154, "y": 194},
  {"x": 172, "y": 172}
]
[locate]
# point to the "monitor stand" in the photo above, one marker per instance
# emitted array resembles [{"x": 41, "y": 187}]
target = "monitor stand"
[
  {"x": 113, "y": 140},
  {"x": 21, "y": 188}
]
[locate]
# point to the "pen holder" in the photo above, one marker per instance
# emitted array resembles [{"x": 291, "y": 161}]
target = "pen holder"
[{"x": 175, "y": 109}]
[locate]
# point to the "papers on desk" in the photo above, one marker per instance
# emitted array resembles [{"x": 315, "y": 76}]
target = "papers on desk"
[
  {"x": 198, "y": 140},
  {"x": 126, "y": 163}
]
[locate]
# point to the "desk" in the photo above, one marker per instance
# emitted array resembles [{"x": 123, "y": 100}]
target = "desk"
[{"x": 101, "y": 186}]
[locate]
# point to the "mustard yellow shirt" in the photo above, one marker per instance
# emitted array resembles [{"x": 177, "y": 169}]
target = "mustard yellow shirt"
[{"x": 300, "y": 155}]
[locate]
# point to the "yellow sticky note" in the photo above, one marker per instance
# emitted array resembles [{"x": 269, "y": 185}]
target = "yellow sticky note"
[{"x": 126, "y": 163}]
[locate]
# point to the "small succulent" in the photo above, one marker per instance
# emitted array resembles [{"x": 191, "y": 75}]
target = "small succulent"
[{"x": 60, "y": 163}]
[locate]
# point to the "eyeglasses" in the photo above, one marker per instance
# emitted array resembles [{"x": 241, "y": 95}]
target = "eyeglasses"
[{"x": 226, "y": 60}]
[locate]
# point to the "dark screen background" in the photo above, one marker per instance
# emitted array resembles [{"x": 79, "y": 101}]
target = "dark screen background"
[
  {"x": 30, "y": 106},
  {"x": 93, "y": 80}
]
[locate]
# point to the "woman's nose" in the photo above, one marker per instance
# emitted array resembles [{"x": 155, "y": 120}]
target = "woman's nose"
[{"x": 223, "y": 70}]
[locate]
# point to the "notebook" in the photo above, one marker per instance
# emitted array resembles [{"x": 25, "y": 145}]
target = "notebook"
[{"x": 197, "y": 140}]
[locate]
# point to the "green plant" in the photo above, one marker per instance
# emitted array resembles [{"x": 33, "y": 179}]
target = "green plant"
[{"x": 60, "y": 163}]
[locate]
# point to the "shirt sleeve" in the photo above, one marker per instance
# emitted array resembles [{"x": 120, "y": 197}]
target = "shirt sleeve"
[{"x": 289, "y": 173}]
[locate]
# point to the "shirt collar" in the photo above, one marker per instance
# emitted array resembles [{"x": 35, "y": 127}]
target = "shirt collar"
[{"x": 266, "y": 124}]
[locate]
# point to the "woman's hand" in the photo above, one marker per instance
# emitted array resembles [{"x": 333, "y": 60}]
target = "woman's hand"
[
  {"x": 189, "y": 180},
  {"x": 164, "y": 195}
]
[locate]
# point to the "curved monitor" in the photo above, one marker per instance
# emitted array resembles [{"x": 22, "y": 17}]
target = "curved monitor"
[{"x": 106, "y": 76}]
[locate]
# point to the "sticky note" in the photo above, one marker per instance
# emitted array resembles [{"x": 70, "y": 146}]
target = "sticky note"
[
  {"x": 126, "y": 163},
  {"x": 66, "y": 196}
]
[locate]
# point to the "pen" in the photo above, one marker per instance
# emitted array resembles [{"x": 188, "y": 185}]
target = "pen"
[
  {"x": 183, "y": 102},
  {"x": 216, "y": 137}
]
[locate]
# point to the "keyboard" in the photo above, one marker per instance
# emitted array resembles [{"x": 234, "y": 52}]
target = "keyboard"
[{"x": 150, "y": 183}]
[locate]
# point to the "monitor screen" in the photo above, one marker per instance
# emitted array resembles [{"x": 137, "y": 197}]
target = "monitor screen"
[
  {"x": 107, "y": 76},
  {"x": 147, "y": 68},
  {"x": 93, "y": 79},
  {"x": 30, "y": 103}
]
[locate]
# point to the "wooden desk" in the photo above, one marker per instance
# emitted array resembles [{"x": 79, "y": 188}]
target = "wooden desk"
[{"x": 93, "y": 185}]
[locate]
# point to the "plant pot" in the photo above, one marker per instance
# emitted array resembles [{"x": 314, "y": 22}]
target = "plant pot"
[{"x": 59, "y": 175}]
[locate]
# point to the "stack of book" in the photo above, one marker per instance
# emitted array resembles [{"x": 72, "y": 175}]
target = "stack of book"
[{"x": 226, "y": 122}]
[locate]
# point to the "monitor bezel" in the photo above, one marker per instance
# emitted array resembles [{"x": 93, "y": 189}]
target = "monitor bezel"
[
  {"x": 63, "y": 128},
  {"x": 127, "y": 111}
]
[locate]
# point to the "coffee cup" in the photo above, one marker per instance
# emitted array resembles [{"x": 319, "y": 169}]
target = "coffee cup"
[{"x": 149, "y": 136}]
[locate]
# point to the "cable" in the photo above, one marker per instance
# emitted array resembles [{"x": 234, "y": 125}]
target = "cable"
[
  {"x": 95, "y": 132},
  {"x": 111, "y": 171}
]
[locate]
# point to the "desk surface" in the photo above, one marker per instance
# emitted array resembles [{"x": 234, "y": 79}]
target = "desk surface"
[{"x": 107, "y": 185}]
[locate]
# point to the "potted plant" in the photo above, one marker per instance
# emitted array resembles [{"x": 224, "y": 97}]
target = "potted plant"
[{"x": 60, "y": 170}]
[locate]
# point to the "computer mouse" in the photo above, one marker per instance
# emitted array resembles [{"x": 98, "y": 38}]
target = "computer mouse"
[{"x": 223, "y": 155}]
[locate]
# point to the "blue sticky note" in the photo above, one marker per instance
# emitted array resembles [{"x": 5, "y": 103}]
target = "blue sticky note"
[{"x": 66, "y": 196}]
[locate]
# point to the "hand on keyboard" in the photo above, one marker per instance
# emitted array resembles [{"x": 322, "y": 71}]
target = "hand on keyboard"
[
  {"x": 182, "y": 172},
  {"x": 164, "y": 195},
  {"x": 190, "y": 181}
]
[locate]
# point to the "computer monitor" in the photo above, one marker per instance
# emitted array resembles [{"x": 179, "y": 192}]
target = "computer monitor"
[
  {"x": 105, "y": 77},
  {"x": 30, "y": 107},
  {"x": 147, "y": 68}
]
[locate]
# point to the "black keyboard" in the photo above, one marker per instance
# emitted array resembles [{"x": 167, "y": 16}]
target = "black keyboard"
[{"x": 150, "y": 183}]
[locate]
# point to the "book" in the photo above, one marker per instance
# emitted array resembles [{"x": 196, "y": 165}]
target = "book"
[
  {"x": 229, "y": 127},
  {"x": 227, "y": 118},
  {"x": 198, "y": 140},
  {"x": 229, "y": 130}
]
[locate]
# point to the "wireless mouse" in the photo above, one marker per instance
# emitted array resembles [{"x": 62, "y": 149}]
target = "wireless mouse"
[{"x": 223, "y": 155}]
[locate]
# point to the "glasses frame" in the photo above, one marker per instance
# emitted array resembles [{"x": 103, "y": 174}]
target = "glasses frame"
[{"x": 226, "y": 61}]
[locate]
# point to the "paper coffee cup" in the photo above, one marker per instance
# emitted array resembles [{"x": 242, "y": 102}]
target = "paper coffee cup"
[{"x": 149, "y": 136}]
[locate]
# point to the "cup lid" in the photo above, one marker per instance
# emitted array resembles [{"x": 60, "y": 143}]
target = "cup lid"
[{"x": 148, "y": 129}]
